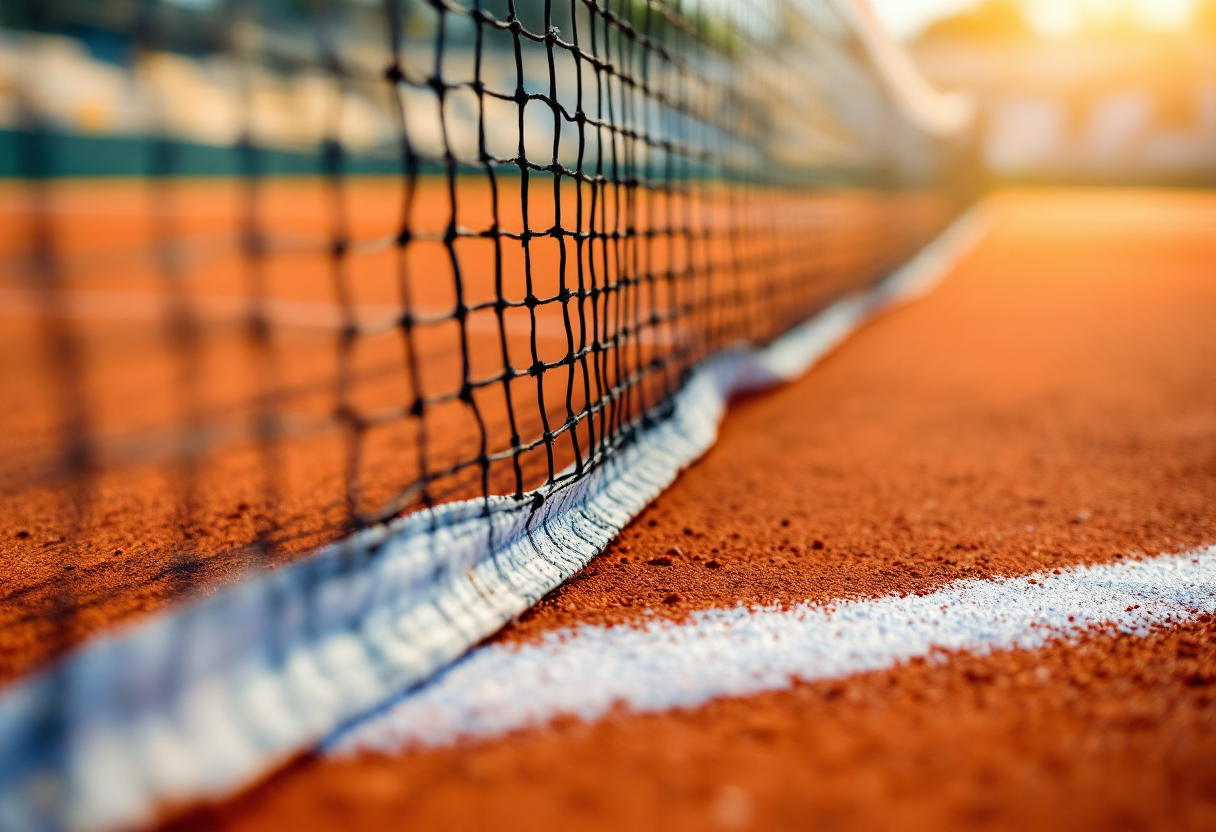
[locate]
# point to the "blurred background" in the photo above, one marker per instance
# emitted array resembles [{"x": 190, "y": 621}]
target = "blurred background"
[
  {"x": 1089, "y": 91},
  {"x": 189, "y": 87}
]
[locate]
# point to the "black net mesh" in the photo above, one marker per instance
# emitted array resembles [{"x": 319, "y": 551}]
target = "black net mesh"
[{"x": 277, "y": 270}]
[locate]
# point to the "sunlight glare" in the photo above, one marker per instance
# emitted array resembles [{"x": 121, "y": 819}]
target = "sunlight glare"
[{"x": 1063, "y": 17}]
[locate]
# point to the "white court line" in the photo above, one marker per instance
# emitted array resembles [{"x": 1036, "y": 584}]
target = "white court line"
[{"x": 588, "y": 671}]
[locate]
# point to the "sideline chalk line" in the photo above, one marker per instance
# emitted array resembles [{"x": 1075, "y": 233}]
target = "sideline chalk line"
[
  {"x": 192, "y": 704},
  {"x": 588, "y": 671}
]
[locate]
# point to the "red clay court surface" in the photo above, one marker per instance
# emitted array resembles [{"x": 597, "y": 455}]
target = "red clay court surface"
[
  {"x": 1053, "y": 403},
  {"x": 224, "y": 503}
]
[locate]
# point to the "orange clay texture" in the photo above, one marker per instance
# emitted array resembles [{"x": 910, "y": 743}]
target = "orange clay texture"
[
  {"x": 166, "y": 511},
  {"x": 1052, "y": 403},
  {"x": 1110, "y": 733}
]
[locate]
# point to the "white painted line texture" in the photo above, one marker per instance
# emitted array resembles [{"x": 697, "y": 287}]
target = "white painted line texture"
[
  {"x": 587, "y": 671},
  {"x": 193, "y": 704}
]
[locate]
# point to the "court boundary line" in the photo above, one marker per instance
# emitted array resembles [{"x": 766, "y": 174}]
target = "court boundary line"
[
  {"x": 283, "y": 660},
  {"x": 659, "y": 665}
]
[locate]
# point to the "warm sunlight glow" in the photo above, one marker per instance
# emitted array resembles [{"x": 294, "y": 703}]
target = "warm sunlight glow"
[
  {"x": 1053, "y": 17},
  {"x": 1062, "y": 17}
]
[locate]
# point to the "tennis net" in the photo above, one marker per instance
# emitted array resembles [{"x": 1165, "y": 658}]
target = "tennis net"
[{"x": 277, "y": 271}]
